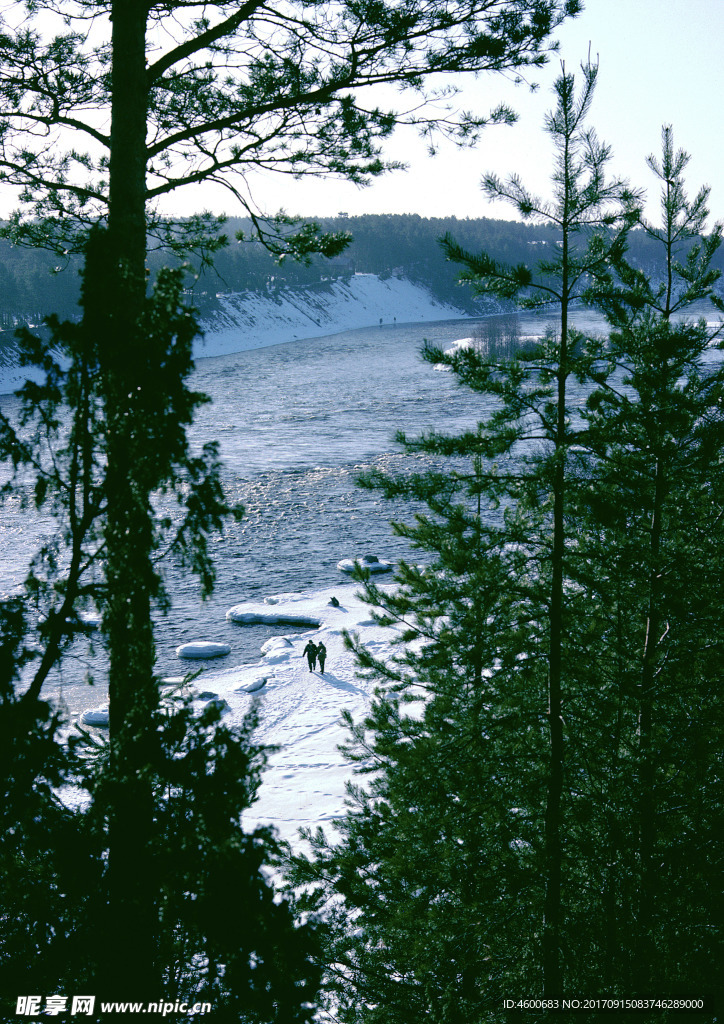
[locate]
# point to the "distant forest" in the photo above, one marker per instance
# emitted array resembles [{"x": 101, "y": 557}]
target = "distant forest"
[{"x": 34, "y": 283}]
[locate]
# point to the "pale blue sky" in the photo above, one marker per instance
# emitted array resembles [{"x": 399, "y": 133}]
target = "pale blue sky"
[{"x": 661, "y": 61}]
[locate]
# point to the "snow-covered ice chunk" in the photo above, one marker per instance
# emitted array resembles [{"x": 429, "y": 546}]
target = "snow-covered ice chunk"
[
  {"x": 200, "y": 649},
  {"x": 277, "y": 650},
  {"x": 241, "y": 615},
  {"x": 369, "y": 562},
  {"x": 96, "y": 716},
  {"x": 276, "y": 644}
]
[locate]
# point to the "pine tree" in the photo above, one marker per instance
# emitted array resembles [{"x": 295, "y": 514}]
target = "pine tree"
[
  {"x": 657, "y": 432},
  {"x": 215, "y": 930},
  {"x": 583, "y": 208}
]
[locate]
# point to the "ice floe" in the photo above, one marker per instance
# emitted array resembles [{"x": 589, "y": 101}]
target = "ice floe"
[
  {"x": 97, "y": 717},
  {"x": 288, "y": 610},
  {"x": 369, "y": 562},
  {"x": 203, "y": 649}
]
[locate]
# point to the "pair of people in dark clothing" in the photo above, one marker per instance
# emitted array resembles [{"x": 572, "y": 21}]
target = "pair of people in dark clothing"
[{"x": 314, "y": 653}]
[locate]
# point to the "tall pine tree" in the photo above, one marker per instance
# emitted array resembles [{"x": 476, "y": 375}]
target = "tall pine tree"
[
  {"x": 214, "y": 930},
  {"x": 584, "y": 205},
  {"x": 656, "y": 433}
]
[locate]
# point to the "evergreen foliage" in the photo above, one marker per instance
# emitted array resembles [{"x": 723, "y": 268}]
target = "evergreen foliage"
[
  {"x": 48, "y": 861},
  {"x": 543, "y": 756},
  {"x": 657, "y": 433},
  {"x": 220, "y": 933}
]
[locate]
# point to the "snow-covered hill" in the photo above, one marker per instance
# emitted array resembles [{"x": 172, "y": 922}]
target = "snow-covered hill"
[{"x": 248, "y": 320}]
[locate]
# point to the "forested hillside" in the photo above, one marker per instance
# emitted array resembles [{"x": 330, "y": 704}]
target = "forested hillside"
[
  {"x": 35, "y": 283},
  {"x": 386, "y": 244}
]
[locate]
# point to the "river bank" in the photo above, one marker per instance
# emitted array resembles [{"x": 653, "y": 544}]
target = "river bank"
[{"x": 245, "y": 321}]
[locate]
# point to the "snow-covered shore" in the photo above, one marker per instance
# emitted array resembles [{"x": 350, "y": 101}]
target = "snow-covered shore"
[
  {"x": 300, "y": 711},
  {"x": 250, "y": 320}
]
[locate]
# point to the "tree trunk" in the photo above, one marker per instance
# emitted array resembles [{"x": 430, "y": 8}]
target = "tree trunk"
[
  {"x": 552, "y": 974},
  {"x": 130, "y": 966}
]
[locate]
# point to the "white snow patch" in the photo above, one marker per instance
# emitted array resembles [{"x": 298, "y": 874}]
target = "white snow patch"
[
  {"x": 369, "y": 562},
  {"x": 476, "y": 343},
  {"x": 90, "y": 620},
  {"x": 203, "y": 649},
  {"x": 457, "y": 346},
  {"x": 460, "y": 345}
]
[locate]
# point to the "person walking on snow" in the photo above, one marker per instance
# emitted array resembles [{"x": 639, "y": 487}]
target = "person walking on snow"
[
  {"x": 311, "y": 652},
  {"x": 321, "y": 654}
]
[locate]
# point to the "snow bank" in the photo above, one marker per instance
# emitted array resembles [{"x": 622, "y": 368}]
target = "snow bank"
[{"x": 248, "y": 320}]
